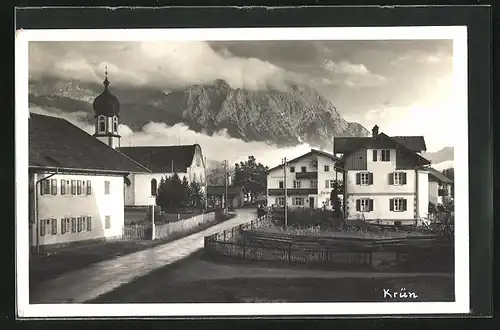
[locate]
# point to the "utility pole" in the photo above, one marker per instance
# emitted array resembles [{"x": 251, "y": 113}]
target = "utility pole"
[
  {"x": 206, "y": 184},
  {"x": 225, "y": 182},
  {"x": 284, "y": 187}
]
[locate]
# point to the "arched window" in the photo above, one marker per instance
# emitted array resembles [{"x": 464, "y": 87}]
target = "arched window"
[
  {"x": 101, "y": 124},
  {"x": 115, "y": 124},
  {"x": 154, "y": 187}
]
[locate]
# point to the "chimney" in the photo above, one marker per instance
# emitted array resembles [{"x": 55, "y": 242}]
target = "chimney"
[{"x": 375, "y": 131}]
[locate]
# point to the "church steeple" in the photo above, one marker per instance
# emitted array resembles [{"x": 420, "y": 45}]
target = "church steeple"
[{"x": 106, "y": 113}]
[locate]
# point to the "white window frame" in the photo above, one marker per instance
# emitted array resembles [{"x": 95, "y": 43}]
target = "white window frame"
[
  {"x": 107, "y": 187},
  {"x": 107, "y": 222},
  {"x": 364, "y": 178},
  {"x": 398, "y": 178},
  {"x": 66, "y": 224},
  {"x": 386, "y": 152},
  {"x": 300, "y": 201},
  {"x": 101, "y": 120},
  {"x": 314, "y": 164},
  {"x": 327, "y": 168},
  {"x": 398, "y": 204},
  {"x": 292, "y": 169},
  {"x": 296, "y": 184},
  {"x": 115, "y": 124},
  {"x": 281, "y": 201},
  {"x": 314, "y": 184},
  {"x": 364, "y": 204},
  {"x": 281, "y": 184}
]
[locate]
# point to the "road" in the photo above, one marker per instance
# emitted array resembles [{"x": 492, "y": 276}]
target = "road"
[{"x": 89, "y": 283}]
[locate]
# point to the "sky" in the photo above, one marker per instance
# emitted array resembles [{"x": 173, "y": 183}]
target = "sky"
[{"x": 403, "y": 86}]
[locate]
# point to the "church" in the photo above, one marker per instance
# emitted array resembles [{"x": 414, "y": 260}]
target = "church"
[
  {"x": 80, "y": 184},
  {"x": 141, "y": 188}
]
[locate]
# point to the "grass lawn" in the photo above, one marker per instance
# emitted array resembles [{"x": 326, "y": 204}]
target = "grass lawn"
[
  {"x": 197, "y": 279},
  {"x": 53, "y": 263}
]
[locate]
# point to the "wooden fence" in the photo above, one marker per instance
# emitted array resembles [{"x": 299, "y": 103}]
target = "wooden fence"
[
  {"x": 144, "y": 231},
  {"x": 244, "y": 243}
]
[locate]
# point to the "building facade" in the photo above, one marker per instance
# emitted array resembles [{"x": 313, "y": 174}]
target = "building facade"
[
  {"x": 386, "y": 178},
  {"x": 440, "y": 192},
  {"x": 309, "y": 180}
]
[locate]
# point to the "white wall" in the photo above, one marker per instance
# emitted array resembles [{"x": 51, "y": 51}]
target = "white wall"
[
  {"x": 323, "y": 192},
  {"x": 197, "y": 169},
  {"x": 423, "y": 194},
  {"x": 97, "y": 205},
  {"x": 381, "y": 191},
  {"x": 433, "y": 192},
  {"x": 142, "y": 187}
]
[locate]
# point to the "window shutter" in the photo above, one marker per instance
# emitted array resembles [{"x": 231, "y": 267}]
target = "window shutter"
[
  {"x": 276, "y": 201},
  {"x": 89, "y": 224},
  {"x": 63, "y": 221},
  {"x": 358, "y": 178},
  {"x": 371, "y": 205},
  {"x": 42, "y": 227},
  {"x": 404, "y": 204},
  {"x": 391, "y": 204},
  {"x": 391, "y": 178},
  {"x": 375, "y": 155},
  {"x": 370, "y": 178},
  {"x": 404, "y": 177},
  {"x": 358, "y": 205},
  {"x": 73, "y": 225},
  {"x": 54, "y": 226}
]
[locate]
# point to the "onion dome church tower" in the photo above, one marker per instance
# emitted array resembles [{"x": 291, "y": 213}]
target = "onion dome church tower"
[{"x": 106, "y": 113}]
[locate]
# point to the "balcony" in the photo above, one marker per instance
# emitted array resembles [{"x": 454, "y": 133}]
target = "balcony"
[
  {"x": 306, "y": 175},
  {"x": 292, "y": 191}
]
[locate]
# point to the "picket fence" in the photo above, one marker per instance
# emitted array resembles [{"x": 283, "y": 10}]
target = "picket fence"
[{"x": 144, "y": 231}]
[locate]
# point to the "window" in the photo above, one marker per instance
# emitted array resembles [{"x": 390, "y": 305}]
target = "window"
[
  {"x": 115, "y": 124},
  {"x": 45, "y": 187},
  {"x": 364, "y": 178},
  {"x": 292, "y": 169},
  {"x": 374, "y": 155},
  {"x": 107, "y": 187},
  {"x": 303, "y": 169},
  {"x": 107, "y": 222},
  {"x": 364, "y": 205},
  {"x": 78, "y": 187},
  {"x": 329, "y": 184},
  {"x": 386, "y": 155},
  {"x": 73, "y": 187},
  {"x": 46, "y": 227},
  {"x": 63, "y": 187},
  {"x": 65, "y": 226},
  {"x": 296, "y": 184},
  {"x": 73, "y": 225},
  {"x": 397, "y": 178},
  {"x": 281, "y": 201},
  {"x": 53, "y": 187},
  {"x": 315, "y": 164},
  {"x": 398, "y": 204},
  {"x": 281, "y": 185},
  {"x": 89, "y": 224},
  {"x": 80, "y": 224},
  {"x": 314, "y": 184},
  {"x": 154, "y": 187},
  {"x": 198, "y": 161},
  {"x": 327, "y": 168},
  {"x": 298, "y": 201},
  {"x": 89, "y": 188},
  {"x": 101, "y": 124}
]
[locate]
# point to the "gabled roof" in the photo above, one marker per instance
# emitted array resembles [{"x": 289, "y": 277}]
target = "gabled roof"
[
  {"x": 343, "y": 145},
  {"x": 312, "y": 152},
  {"x": 163, "y": 159},
  {"x": 55, "y": 143},
  {"x": 438, "y": 175},
  {"x": 221, "y": 190},
  {"x": 382, "y": 140}
]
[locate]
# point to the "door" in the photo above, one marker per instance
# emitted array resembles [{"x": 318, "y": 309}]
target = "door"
[{"x": 311, "y": 202}]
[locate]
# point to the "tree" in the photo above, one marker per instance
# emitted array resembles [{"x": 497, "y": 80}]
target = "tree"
[
  {"x": 450, "y": 174},
  {"x": 215, "y": 175},
  {"x": 337, "y": 189},
  {"x": 252, "y": 176},
  {"x": 197, "y": 196},
  {"x": 187, "y": 200},
  {"x": 170, "y": 193}
]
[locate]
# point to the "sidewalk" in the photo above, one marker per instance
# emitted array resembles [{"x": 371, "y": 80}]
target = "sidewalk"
[{"x": 89, "y": 283}]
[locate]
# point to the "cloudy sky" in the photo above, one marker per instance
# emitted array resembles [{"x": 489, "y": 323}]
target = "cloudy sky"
[{"x": 405, "y": 87}]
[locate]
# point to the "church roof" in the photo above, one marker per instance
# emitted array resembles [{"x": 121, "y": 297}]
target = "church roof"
[
  {"x": 106, "y": 103},
  {"x": 55, "y": 143},
  {"x": 163, "y": 159}
]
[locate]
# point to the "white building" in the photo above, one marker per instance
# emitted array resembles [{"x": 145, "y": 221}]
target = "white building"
[
  {"x": 309, "y": 181},
  {"x": 76, "y": 184},
  {"x": 186, "y": 160},
  {"x": 439, "y": 188},
  {"x": 386, "y": 178}
]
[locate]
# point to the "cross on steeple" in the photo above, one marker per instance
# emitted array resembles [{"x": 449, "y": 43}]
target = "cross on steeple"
[{"x": 106, "y": 81}]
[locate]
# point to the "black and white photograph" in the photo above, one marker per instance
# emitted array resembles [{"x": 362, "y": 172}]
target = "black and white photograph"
[{"x": 249, "y": 171}]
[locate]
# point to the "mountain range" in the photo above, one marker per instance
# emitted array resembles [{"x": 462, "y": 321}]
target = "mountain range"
[{"x": 278, "y": 117}]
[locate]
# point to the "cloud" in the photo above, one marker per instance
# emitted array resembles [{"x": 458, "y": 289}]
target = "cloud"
[
  {"x": 159, "y": 64},
  {"x": 160, "y": 134},
  {"x": 352, "y": 75},
  {"x": 422, "y": 58}
]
